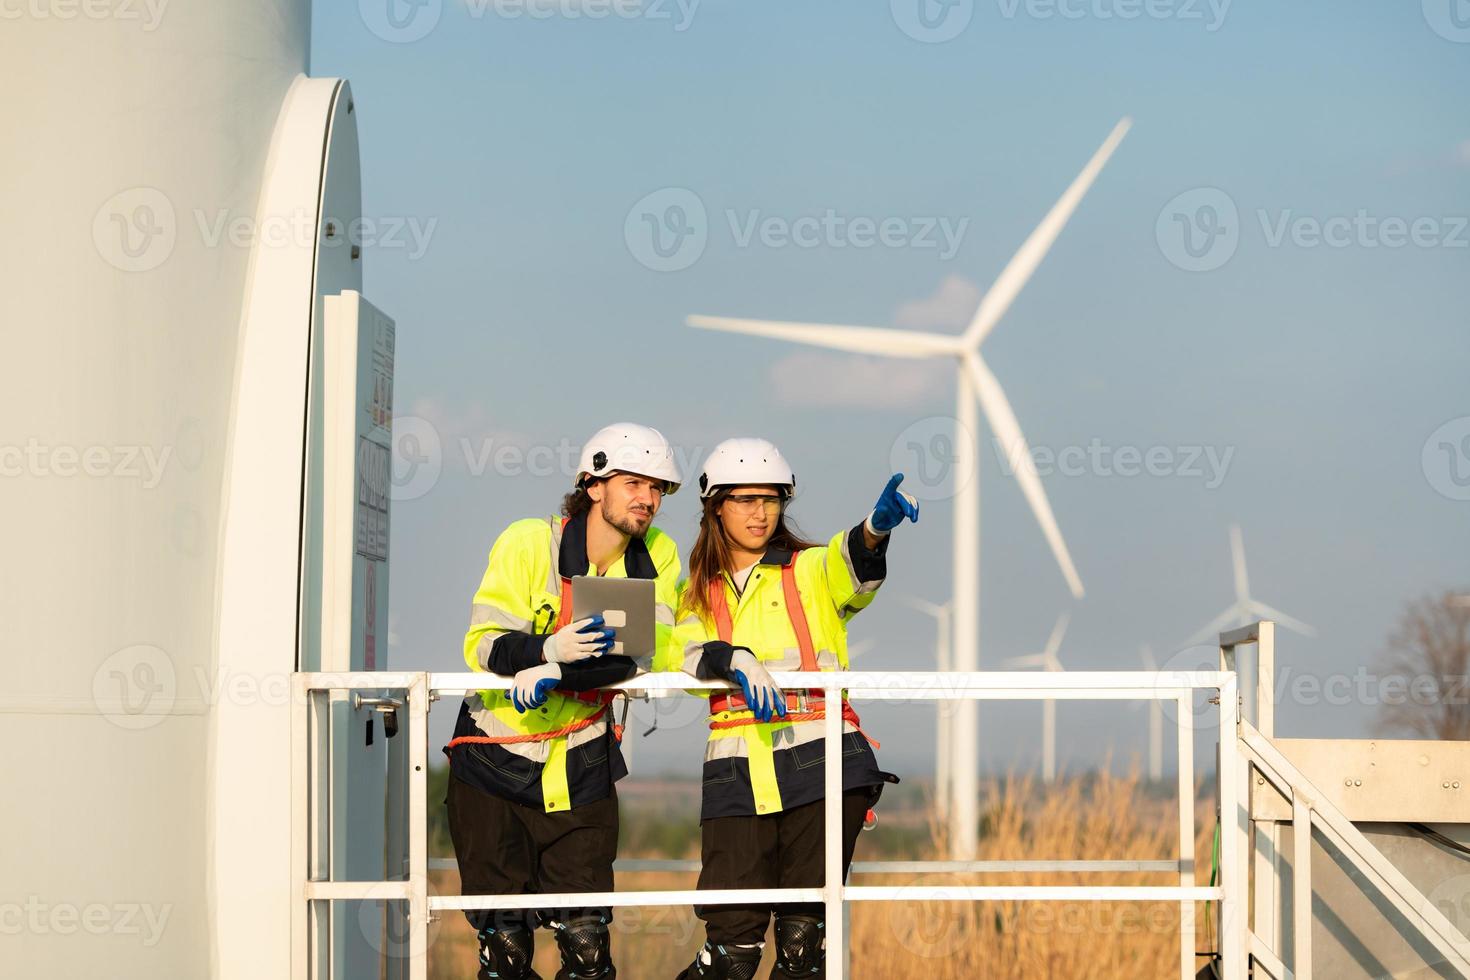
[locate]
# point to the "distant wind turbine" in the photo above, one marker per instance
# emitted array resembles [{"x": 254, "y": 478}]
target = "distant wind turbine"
[
  {"x": 1245, "y": 609},
  {"x": 1047, "y": 660},
  {"x": 1155, "y": 725},
  {"x": 943, "y": 736},
  {"x": 975, "y": 383}
]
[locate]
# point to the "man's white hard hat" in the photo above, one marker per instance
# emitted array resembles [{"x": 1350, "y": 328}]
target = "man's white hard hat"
[{"x": 626, "y": 447}]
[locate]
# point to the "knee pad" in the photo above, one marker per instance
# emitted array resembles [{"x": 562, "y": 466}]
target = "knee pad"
[
  {"x": 586, "y": 949},
  {"x": 507, "y": 953},
  {"x": 800, "y": 945},
  {"x": 717, "y": 961}
]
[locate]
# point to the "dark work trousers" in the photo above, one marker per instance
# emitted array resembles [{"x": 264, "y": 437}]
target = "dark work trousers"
[
  {"x": 777, "y": 850},
  {"x": 506, "y": 848}
]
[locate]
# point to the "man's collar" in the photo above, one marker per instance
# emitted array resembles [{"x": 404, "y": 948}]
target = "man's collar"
[{"x": 572, "y": 557}]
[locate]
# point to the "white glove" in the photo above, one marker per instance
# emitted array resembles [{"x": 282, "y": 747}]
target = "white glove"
[
  {"x": 533, "y": 685},
  {"x": 577, "y": 641},
  {"x": 762, "y": 696}
]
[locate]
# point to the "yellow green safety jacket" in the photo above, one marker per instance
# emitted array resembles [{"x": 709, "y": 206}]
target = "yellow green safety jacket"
[
  {"x": 755, "y": 768},
  {"x": 564, "y": 754}
]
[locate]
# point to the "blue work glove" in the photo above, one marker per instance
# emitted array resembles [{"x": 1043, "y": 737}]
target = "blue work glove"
[
  {"x": 762, "y": 696},
  {"x": 892, "y": 507},
  {"x": 533, "y": 686}
]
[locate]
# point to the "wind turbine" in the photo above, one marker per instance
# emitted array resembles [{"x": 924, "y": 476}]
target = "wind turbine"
[
  {"x": 1245, "y": 609},
  {"x": 974, "y": 383},
  {"x": 1047, "y": 660},
  {"x": 1155, "y": 725},
  {"x": 943, "y": 737}
]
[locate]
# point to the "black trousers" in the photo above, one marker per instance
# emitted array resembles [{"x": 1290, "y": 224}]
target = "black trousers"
[
  {"x": 777, "y": 850},
  {"x": 506, "y": 848}
]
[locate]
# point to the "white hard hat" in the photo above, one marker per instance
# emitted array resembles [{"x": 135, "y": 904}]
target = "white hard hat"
[
  {"x": 745, "y": 462},
  {"x": 630, "y": 448}
]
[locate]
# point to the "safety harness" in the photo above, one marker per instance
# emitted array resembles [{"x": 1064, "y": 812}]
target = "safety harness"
[{"x": 801, "y": 706}]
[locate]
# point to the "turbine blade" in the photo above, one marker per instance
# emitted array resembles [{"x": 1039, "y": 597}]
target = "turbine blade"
[
  {"x": 858, "y": 340},
  {"x": 1030, "y": 660},
  {"x": 925, "y": 606},
  {"x": 1211, "y": 631},
  {"x": 1281, "y": 619},
  {"x": 1058, "y": 631},
  {"x": 1018, "y": 270},
  {"x": 1005, "y": 428},
  {"x": 1237, "y": 555},
  {"x": 1148, "y": 658}
]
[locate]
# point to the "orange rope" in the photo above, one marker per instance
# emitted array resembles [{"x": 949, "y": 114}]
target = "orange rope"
[{"x": 565, "y": 730}]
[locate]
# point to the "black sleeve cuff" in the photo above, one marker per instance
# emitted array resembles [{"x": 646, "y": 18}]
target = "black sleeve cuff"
[
  {"x": 595, "y": 672},
  {"x": 514, "y": 652},
  {"x": 869, "y": 564},
  {"x": 714, "y": 665}
]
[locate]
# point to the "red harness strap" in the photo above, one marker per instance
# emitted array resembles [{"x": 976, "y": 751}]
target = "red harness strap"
[{"x": 799, "y": 707}]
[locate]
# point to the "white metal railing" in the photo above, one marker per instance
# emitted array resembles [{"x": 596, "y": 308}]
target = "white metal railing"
[
  {"x": 1263, "y": 763},
  {"x": 1311, "y": 812},
  {"x": 310, "y": 846}
]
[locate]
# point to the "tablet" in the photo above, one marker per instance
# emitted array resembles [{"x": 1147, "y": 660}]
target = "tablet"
[{"x": 625, "y": 604}]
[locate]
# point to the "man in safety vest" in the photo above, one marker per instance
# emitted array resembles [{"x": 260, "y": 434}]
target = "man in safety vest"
[
  {"x": 760, "y": 598},
  {"x": 532, "y": 806}
]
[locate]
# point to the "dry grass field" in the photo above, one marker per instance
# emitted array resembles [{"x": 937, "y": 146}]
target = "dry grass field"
[{"x": 1096, "y": 816}]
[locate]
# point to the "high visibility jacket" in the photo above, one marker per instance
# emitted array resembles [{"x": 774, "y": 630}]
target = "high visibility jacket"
[
  {"x": 564, "y": 754},
  {"x": 753, "y": 768}
]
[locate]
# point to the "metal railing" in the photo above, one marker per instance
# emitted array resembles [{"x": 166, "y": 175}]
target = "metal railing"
[
  {"x": 1264, "y": 764},
  {"x": 311, "y": 845}
]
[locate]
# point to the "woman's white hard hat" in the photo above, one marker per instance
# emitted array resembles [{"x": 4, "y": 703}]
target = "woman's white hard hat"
[{"x": 743, "y": 462}]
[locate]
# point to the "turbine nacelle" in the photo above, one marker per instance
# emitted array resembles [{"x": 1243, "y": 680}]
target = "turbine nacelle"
[{"x": 1245, "y": 609}]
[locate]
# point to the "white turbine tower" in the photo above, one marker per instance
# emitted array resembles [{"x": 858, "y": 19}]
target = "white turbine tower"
[
  {"x": 943, "y": 735},
  {"x": 975, "y": 382},
  {"x": 1047, "y": 660},
  {"x": 1245, "y": 609},
  {"x": 1155, "y": 725}
]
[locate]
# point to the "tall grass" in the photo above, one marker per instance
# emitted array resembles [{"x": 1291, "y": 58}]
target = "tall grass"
[{"x": 1096, "y": 816}]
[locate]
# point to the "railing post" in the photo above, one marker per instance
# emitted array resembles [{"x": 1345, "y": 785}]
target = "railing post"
[
  {"x": 300, "y": 831},
  {"x": 1186, "y": 833},
  {"x": 832, "y": 831},
  {"x": 1266, "y": 678},
  {"x": 1301, "y": 887},
  {"x": 1232, "y": 857},
  {"x": 418, "y": 828}
]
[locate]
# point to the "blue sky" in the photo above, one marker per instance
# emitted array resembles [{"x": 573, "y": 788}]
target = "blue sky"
[{"x": 1318, "y": 337}]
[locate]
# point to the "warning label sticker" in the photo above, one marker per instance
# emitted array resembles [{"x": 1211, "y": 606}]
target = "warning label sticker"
[{"x": 372, "y": 500}]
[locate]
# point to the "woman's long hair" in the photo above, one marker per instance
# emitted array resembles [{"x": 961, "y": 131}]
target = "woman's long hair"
[{"x": 711, "y": 553}]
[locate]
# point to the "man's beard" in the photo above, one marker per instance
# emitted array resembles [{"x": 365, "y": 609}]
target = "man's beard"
[{"x": 626, "y": 523}]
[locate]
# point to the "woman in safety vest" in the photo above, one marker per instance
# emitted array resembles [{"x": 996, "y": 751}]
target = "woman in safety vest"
[
  {"x": 532, "y": 806},
  {"x": 759, "y": 598}
]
